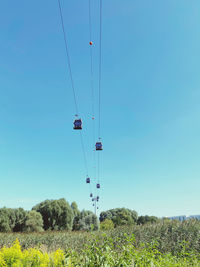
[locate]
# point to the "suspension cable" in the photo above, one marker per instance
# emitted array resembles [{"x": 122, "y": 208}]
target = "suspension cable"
[
  {"x": 84, "y": 154},
  {"x": 68, "y": 57},
  {"x": 100, "y": 63},
  {"x": 72, "y": 83},
  {"x": 92, "y": 86},
  {"x": 100, "y": 73}
]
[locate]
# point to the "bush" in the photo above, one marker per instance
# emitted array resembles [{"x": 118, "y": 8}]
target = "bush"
[
  {"x": 107, "y": 225},
  {"x": 14, "y": 256}
]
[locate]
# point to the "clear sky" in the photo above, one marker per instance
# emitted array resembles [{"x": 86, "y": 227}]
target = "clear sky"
[{"x": 150, "y": 104}]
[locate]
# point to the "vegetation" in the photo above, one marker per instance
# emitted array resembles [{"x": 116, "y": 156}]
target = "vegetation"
[
  {"x": 147, "y": 219},
  {"x": 48, "y": 215},
  {"x": 102, "y": 251},
  {"x": 107, "y": 224},
  {"x": 56, "y": 214},
  {"x": 120, "y": 216},
  {"x": 168, "y": 235},
  {"x": 58, "y": 234}
]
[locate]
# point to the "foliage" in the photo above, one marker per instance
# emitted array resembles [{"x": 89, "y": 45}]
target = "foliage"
[
  {"x": 107, "y": 224},
  {"x": 56, "y": 214},
  {"x": 12, "y": 219},
  {"x": 147, "y": 219},
  {"x": 98, "y": 253},
  {"x": 120, "y": 216},
  {"x": 14, "y": 256},
  {"x": 168, "y": 235},
  {"x": 33, "y": 222},
  {"x": 20, "y": 218},
  {"x": 86, "y": 220},
  {"x": 75, "y": 209}
]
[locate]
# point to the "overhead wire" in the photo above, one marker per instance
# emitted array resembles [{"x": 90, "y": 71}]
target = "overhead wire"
[
  {"x": 72, "y": 82},
  {"x": 92, "y": 89},
  {"x": 100, "y": 63},
  {"x": 68, "y": 57},
  {"x": 100, "y": 74}
]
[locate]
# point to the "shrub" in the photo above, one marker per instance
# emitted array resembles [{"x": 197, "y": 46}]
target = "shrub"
[{"x": 107, "y": 225}]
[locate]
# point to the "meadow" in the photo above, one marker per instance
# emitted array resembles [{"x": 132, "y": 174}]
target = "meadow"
[{"x": 166, "y": 243}]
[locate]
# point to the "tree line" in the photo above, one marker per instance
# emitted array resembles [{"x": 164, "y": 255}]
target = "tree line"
[{"x": 60, "y": 215}]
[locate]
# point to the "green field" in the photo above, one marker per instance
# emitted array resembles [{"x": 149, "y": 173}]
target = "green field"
[{"x": 162, "y": 244}]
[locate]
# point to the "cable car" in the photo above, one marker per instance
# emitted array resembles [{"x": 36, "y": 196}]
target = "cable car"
[
  {"x": 98, "y": 186},
  {"x": 91, "y": 195},
  {"x": 78, "y": 124},
  {"x": 97, "y": 208},
  {"x": 87, "y": 180},
  {"x": 99, "y": 146},
  {"x": 97, "y": 198},
  {"x": 93, "y": 199}
]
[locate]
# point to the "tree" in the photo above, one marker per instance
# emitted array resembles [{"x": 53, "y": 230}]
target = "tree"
[
  {"x": 56, "y": 214},
  {"x": 33, "y": 222},
  {"x": 4, "y": 221},
  {"x": 75, "y": 209},
  {"x": 147, "y": 219},
  {"x": 107, "y": 224},
  {"x": 86, "y": 220},
  {"x": 120, "y": 216},
  {"x": 12, "y": 219},
  {"x": 20, "y": 217}
]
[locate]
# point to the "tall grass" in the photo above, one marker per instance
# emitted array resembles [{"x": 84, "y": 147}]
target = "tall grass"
[
  {"x": 163, "y": 244},
  {"x": 169, "y": 236}
]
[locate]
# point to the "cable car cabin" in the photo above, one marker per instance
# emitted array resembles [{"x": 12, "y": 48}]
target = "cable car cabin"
[
  {"x": 97, "y": 198},
  {"x": 91, "y": 195},
  {"x": 98, "y": 186},
  {"x": 93, "y": 199},
  {"x": 78, "y": 124},
  {"x": 99, "y": 146},
  {"x": 87, "y": 180}
]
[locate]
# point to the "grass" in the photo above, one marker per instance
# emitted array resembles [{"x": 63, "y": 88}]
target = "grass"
[{"x": 162, "y": 244}]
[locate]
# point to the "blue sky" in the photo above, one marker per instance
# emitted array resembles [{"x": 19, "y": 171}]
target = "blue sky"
[{"x": 150, "y": 104}]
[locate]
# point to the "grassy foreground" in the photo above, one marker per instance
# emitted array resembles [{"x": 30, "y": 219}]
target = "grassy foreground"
[{"x": 163, "y": 244}]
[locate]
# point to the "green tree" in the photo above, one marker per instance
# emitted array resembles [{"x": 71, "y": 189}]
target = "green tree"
[
  {"x": 86, "y": 220},
  {"x": 12, "y": 219},
  {"x": 56, "y": 214},
  {"x": 147, "y": 219},
  {"x": 107, "y": 224},
  {"x": 4, "y": 221},
  {"x": 20, "y": 216},
  {"x": 75, "y": 209},
  {"x": 33, "y": 222},
  {"x": 120, "y": 216}
]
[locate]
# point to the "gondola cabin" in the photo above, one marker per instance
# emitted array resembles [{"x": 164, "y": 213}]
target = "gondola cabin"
[
  {"x": 91, "y": 195},
  {"x": 99, "y": 146},
  {"x": 97, "y": 198},
  {"x": 98, "y": 186},
  {"x": 78, "y": 124},
  {"x": 87, "y": 180}
]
